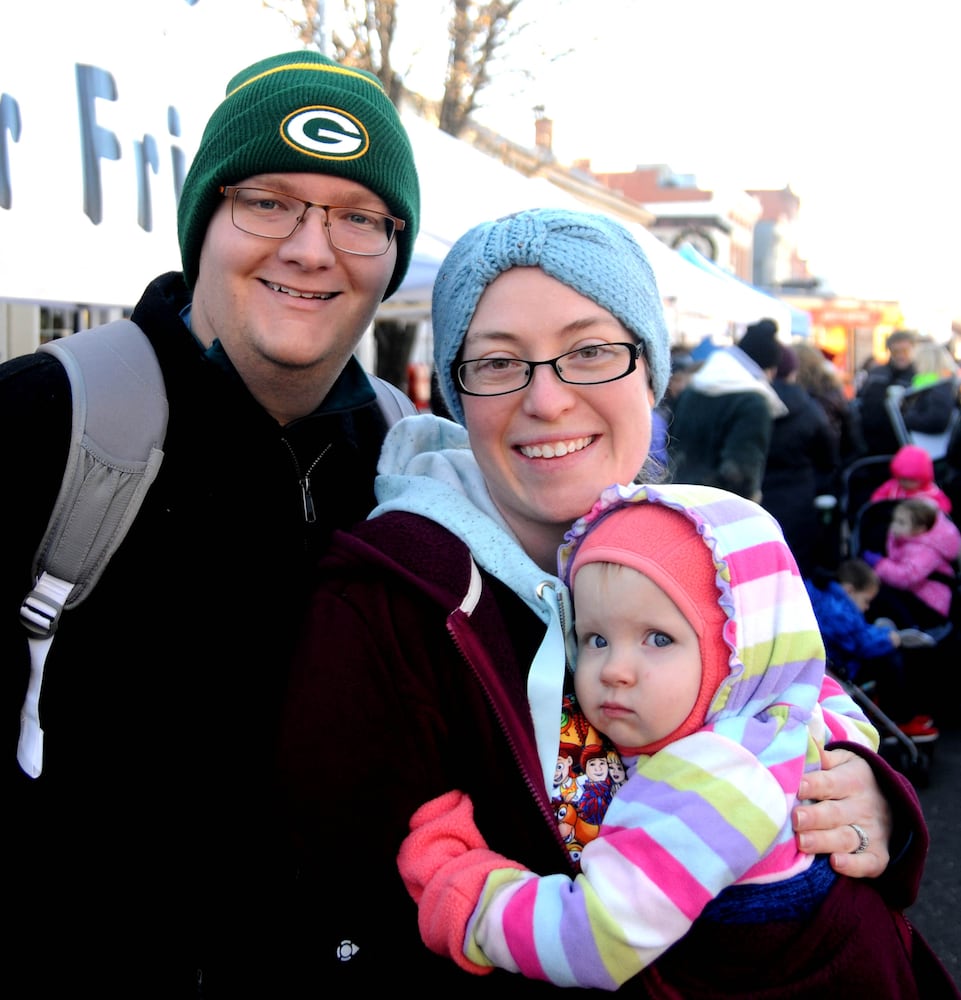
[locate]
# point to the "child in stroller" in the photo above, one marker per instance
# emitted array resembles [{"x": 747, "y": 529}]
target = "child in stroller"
[
  {"x": 918, "y": 567},
  {"x": 869, "y": 654}
]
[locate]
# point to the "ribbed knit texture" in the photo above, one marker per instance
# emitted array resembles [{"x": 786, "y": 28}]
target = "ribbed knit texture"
[
  {"x": 349, "y": 129},
  {"x": 708, "y": 811},
  {"x": 592, "y": 254}
]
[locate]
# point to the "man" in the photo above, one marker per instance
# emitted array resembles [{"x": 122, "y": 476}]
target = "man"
[
  {"x": 722, "y": 419},
  {"x": 876, "y": 427},
  {"x": 147, "y": 859}
]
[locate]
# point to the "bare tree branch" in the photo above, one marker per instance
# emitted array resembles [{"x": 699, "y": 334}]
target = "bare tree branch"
[{"x": 477, "y": 36}]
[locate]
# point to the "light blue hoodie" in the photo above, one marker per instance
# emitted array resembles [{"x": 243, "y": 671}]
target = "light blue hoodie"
[{"x": 426, "y": 467}]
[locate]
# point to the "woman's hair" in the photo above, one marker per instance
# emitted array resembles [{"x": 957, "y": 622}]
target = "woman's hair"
[
  {"x": 934, "y": 359},
  {"x": 815, "y": 372},
  {"x": 921, "y": 513}
]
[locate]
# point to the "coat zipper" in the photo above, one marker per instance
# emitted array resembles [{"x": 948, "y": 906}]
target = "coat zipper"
[
  {"x": 310, "y": 514},
  {"x": 538, "y": 794}
]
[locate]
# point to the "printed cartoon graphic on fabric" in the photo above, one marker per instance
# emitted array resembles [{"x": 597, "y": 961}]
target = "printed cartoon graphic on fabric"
[{"x": 588, "y": 773}]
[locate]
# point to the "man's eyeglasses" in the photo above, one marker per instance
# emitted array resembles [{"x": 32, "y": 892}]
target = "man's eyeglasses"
[
  {"x": 585, "y": 366},
  {"x": 275, "y": 216}
]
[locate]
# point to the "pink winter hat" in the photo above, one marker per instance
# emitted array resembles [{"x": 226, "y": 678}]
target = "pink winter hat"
[
  {"x": 665, "y": 545},
  {"x": 912, "y": 462}
]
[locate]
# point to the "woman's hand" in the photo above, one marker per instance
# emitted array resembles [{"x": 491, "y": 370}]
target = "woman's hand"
[{"x": 846, "y": 792}]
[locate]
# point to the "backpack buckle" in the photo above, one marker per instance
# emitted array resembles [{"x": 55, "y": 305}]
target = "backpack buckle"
[{"x": 42, "y": 607}]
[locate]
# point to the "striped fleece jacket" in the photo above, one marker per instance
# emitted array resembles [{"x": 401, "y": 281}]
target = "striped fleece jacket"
[{"x": 707, "y": 812}]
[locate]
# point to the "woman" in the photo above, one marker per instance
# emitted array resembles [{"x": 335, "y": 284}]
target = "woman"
[
  {"x": 823, "y": 383},
  {"x": 447, "y": 670},
  {"x": 931, "y": 403}
]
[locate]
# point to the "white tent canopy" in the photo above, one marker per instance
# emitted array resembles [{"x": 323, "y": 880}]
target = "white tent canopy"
[{"x": 779, "y": 311}]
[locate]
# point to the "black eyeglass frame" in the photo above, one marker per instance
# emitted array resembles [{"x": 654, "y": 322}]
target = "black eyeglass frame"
[
  {"x": 232, "y": 190},
  {"x": 637, "y": 351}
]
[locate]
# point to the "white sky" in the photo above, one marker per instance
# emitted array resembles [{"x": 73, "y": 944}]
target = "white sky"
[{"x": 855, "y": 104}]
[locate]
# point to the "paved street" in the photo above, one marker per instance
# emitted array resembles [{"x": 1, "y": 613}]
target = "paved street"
[{"x": 937, "y": 913}]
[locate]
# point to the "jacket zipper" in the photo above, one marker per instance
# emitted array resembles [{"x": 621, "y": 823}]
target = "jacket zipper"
[
  {"x": 539, "y": 794},
  {"x": 310, "y": 514}
]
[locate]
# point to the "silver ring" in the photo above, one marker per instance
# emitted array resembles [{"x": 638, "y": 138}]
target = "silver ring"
[{"x": 863, "y": 839}]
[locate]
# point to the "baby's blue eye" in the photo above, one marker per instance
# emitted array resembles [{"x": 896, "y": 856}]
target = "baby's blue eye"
[{"x": 659, "y": 639}]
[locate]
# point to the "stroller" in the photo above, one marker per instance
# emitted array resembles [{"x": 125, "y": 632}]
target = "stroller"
[
  {"x": 858, "y": 481},
  {"x": 912, "y": 759},
  {"x": 934, "y": 650}
]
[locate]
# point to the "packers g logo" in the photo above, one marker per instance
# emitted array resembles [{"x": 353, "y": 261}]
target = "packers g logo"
[{"x": 326, "y": 133}]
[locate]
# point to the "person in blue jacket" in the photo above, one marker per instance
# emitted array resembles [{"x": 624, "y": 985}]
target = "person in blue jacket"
[
  {"x": 840, "y": 601},
  {"x": 861, "y": 651}
]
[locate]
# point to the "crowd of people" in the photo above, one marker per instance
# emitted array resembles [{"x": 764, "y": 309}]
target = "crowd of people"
[
  {"x": 901, "y": 423},
  {"x": 318, "y": 627}
]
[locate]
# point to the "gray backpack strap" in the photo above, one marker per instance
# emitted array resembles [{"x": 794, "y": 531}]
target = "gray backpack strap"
[
  {"x": 119, "y": 423},
  {"x": 393, "y": 403}
]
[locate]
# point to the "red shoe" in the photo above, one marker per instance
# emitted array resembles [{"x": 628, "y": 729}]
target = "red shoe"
[{"x": 921, "y": 729}]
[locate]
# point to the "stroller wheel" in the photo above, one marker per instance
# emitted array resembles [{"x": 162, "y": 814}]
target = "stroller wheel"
[
  {"x": 900, "y": 756},
  {"x": 919, "y": 772}
]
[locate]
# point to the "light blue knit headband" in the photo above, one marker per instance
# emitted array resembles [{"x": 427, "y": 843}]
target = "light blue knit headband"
[{"x": 592, "y": 254}]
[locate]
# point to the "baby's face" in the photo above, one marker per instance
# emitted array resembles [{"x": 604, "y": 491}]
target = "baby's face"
[{"x": 638, "y": 670}]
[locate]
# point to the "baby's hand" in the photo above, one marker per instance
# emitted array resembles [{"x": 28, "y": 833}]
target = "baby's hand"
[
  {"x": 441, "y": 830},
  {"x": 444, "y": 862}
]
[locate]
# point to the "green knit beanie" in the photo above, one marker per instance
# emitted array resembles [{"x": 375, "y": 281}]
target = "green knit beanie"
[{"x": 294, "y": 113}]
